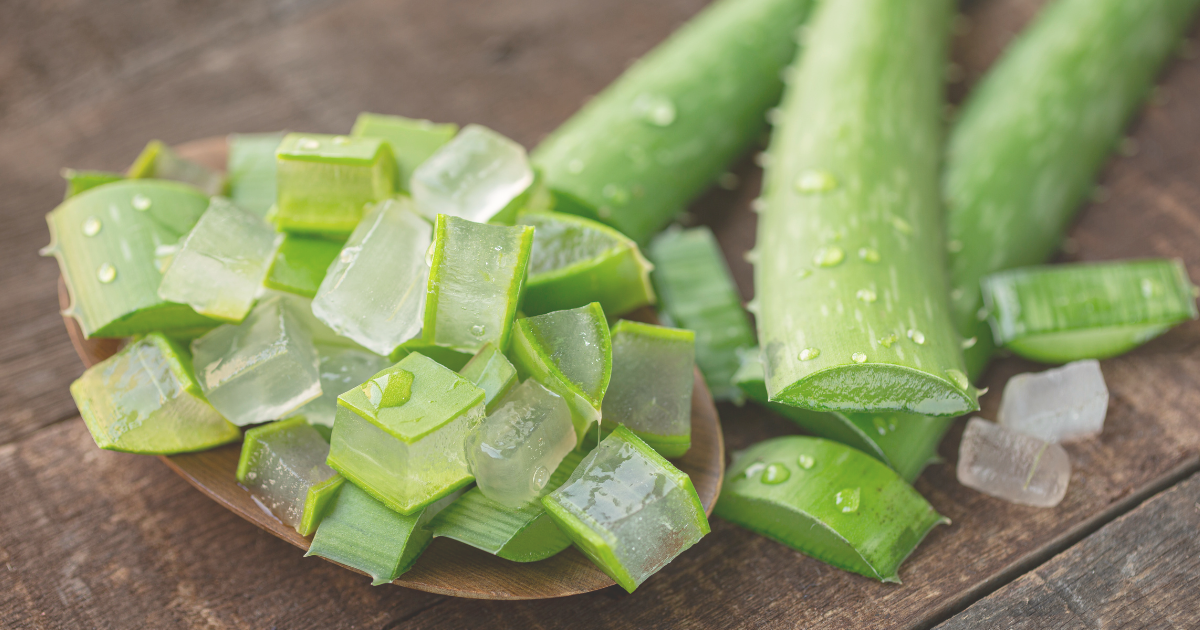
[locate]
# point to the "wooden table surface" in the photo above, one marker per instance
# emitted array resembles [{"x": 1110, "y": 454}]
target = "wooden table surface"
[{"x": 94, "y": 539}]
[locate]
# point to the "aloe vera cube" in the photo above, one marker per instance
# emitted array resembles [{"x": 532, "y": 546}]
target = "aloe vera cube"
[
  {"x": 79, "y": 181},
  {"x": 407, "y": 451},
  {"x": 524, "y": 534},
  {"x": 158, "y": 161},
  {"x": 1064, "y": 313},
  {"x": 1057, "y": 405},
  {"x": 145, "y": 399},
  {"x": 577, "y": 261},
  {"x": 280, "y": 463},
  {"x": 412, "y": 140},
  {"x": 251, "y": 170},
  {"x": 479, "y": 175},
  {"x": 827, "y": 501},
  {"x": 104, "y": 240},
  {"x": 448, "y": 357},
  {"x": 1012, "y": 466},
  {"x": 325, "y": 181},
  {"x": 475, "y": 281},
  {"x": 220, "y": 265},
  {"x": 628, "y": 510},
  {"x": 492, "y": 372},
  {"x": 653, "y": 371},
  {"x": 341, "y": 369},
  {"x": 261, "y": 369},
  {"x": 379, "y": 311},
  {"x": 570, "y": 353},
  {"x": 300, "y": 263}
]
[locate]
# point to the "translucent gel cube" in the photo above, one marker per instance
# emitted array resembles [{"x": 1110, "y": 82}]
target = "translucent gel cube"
[
  {"x": 342, "y": 369},
  {"x": 1057, "y": 405},
  {"x": 1012, "y": 466},
  {"x": 279, "y": 463},
  {"x": 651, "y": 387},
  {"x": 515, "y": 449},
  {"x": 219, "y": 267},
  {"x": 474, "y": 176},
  {"x": 325, "y": 181},
  {"x": 260, "y": 369},
  {"x": 374, "y": 292}
]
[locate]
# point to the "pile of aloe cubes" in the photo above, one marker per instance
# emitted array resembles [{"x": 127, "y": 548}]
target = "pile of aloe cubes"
[{"x": 415, "y": 345}]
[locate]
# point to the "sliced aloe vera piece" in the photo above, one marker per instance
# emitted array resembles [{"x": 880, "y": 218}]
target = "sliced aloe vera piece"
[
  {"x": 79, "y": 181},
  {"x": 325, "y": 181},
  {"x": 251, "y": 170},
  {"x": 280, "y": 464},
  {"x": 342, "y": 368},
  {"x": 525, "y": 534},
  {"x": 1065, "y": 313},
  {"x": 828, "y": 501},
  {"x": 104, "y": 240},
  {"x": 319, "y": 501},
  {"x": 300, "y": 264},
  {"x": 653, "y": 371},
  {"x": 492, "y": 372},
  {"x": 577, "y": 261},
  {"x": 479, "y": 175},
  {"x": 412, "y": 141},
  {"x": 158, "y": 161},
  {"x": 570, "y": 353},
  {"x": 145, "y": 399}
]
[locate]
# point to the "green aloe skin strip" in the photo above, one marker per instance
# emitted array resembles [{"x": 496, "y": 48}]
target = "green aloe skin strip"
[
  {"x": 681, "y": 114},
  {"x": 851, "y": 285},
  {"x": 1066, "y": 313},
  {"x": 79, "y": 181},
  {"x": 251, "y": 170},
  {"x": 448, "y": 357},
  {"x": 319, "y": 501},
  {"x": 827, "y": 501},
  {"x": 412, "y": 141},
  {"x": 1032, "y": 137},
  {"x": 324, "y": 182},
  {"x": 300, "y": 264},
  {"x": 158, "y": 161}
]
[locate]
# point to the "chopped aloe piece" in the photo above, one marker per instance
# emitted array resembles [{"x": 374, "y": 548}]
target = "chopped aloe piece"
[
  {"x": 341, "y": 369},
  {"x": 281, "y": 463},
  {"x": 697, "y": 292},
  {"x": 300, "y": 264},
  {"x": 378, "y": 311},
  {"x": 145, "y": 399},
  {"x": 524, "y": 534},
  {"x": 251, "y": 168},
  {"x": 569, "y": 352},
  {"x": 158, "y": 161},
  {"x": 628, "y": 509},
  {"x": 827, "y": 501},
  {"x": 1013, "y": 466},
  {"x": 320, "y": 498},
  {"x": 79, "y": 181},
  {"x": 492, "y": 372},
  {"x": 220, "y": 265},
  {"x": 104, "y": 240},
  {"x": 407, "y": 451},
  {"x": 577, "y": 261},
  {"x": 479, "y": 175},
  {"x": 653, "y": 370},
  {"x": 301, "y": 307},
  {"x": 448, "y": 357},
  {"x": 261, "y": 369},
  {"x": 325, "y": 181},
  {"x": 475, "y": 281},
  {"x": 412, "y": 140},
  {"x": 1065, "y": 313}
]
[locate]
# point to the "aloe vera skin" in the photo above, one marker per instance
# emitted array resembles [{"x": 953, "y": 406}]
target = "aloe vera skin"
[
  {"x": 827, "y": 501},
  {"x": 300, "y": 264},
  {"x": 324, "y": 182},
  {"x": 251, "y": 170},
  {"x": 492, "y": 372},
  {"x": 412, "y": 140},
  {"x": 319, "y": 501},
  {"x": 636, "y": 154},
  {"x": 1029, "y": 142},
  {"x": 853, "y": 310},
  {"x": 79, "y": 181},
  {"x": 362, "y": 533}
]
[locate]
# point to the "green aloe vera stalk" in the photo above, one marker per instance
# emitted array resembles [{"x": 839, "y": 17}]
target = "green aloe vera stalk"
[
  {"x": 492, "y": 372},
  {"x": 828, "y": 501},
  {"x": 1066, "y": 313},
  {"x": 527, "y": 534},
  {"x": 576, "y": 261},
  {"x": 300, "y": 264},
  {"x": 251, "y": 170},
  {"x": 79, "y": 181},
  {"x": 158, "y": 161},
  {"x": 653, "y": 372},
  {"x": 641, "y": 150},
  {"x": 319, "y": 500},
  {"x": 1031, "y": 139},
  {"x": 104, "y": 240},
  {"x": 325, "y": 181},
  {"x": 850, "y": 278},
  {"x": 145, "y": 399},
  {"x": 412, "y": 141},
  {"x": 905, "y": 442},
  {"x": 698, "y": 293}
]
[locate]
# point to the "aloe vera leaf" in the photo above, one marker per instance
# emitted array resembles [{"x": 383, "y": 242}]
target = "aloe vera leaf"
[
  {"x": 492, "y": 372},
  {"x": 145, "y": 399},
  {"x": 851, "y": 218},
  {"x": 576, "y": 261},
  {"x": 79, "y": 181},
  {"x": 827, "y": 501},
  {"x": 653, "y": 371},
  {"x": 324, "y": 182},
  {"x": 628, "y": 510},
  {"x": 475, "y": 283},
  {"x": 104, "y": 240},
  {"x": 525, "y": 534},
  {"x": 1032, "y": 137},
  {"x": 281, "y": 462},
  {"x": 698, "y": 293},
  {"x": 158, "y": 161},
  {"x": 300, "y": 264},
  {"x": 1066, "y": 313},
  {"x": 412, "y": 140},
  {"x": 251, "y": 170},
  {"x": 680, "y": 115}
]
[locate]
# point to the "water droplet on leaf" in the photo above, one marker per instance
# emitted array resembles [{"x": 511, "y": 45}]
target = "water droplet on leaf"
[
  {"x": 859, "y": 357},
  {"x": 848, "y": 499},
  {"x": 828, "y": 256},
  {"x": 775, "y": 473},
  {"x": 806, "y": 461},
  {"x": 959, "y": 378},
  {"x": 867, "y": 254},
  {"x": 917, "y": 336},
  {"x": 808, "y": 354},
  {"x": 91, "y": 226},
  {"x": 814, "y": 181},
  {"x": 106, "y": 273},
  {"x": 140, "y": 202},
  {"x": 866, "y": 295}
]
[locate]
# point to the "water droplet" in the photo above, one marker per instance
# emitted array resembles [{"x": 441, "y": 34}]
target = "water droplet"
[
  {"x": 728, "y": 181},
  {"x": 758, "y": 205},
  {"x": 775, "y": 473},
  {"x": 901, "y": 225},
  {"x": 750, "y": 256},
  {"x": 341, "y": 140},
  {"x": 575, "y": 166},
  {"x": 1150, "y": 288},
  {"x": 309, "y": 144},
  {"x": 654, "y": 109},
  {"x": 616, "y": 194},
  {"x": 859, "y": 357},
  {"x": 803, "y": 273},
  {"x": 140, "y": 202},
  {"x": 954, "y": 246},
  {"x": 969, "y": 343},
  {"x": 828, "y": 256},
  {"x": 917, "y": 336},
  {"x": 754, "y": 469},
  {"x": 346, "y": 257},
  {"x": 814, "y": 181},
  {"x": 540, "y": 477},
  {"x": 429, "y": 254},
  {"x": 91, "y": 226},
  {"x": 808, "y": 354},
  {"x": 106, "y": 273},
  {"x": 866, "y": 254},
  {"x": 887, "y": 341},
  {"x": 959, "y": 378},
  {"x": 848, "y": 499},
  {"x": 806, "y": 461},
  {"x": 882, "y": 425},
  {"x": 478, "y": 330},
  {"x": 866, "y": 295}
]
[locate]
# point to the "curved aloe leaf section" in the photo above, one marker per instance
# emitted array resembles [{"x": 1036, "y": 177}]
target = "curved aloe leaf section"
[{"x": 827, "y": 501}]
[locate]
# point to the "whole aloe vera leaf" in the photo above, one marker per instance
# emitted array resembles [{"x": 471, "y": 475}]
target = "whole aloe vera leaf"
[
  {"x": 661, "y": 133},
  {"x": 1032, "y": 137},
  {"x": 251, "y": 170},
  {"x": 827, "y": 501},
  {"x": 852, "y": 222}
]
